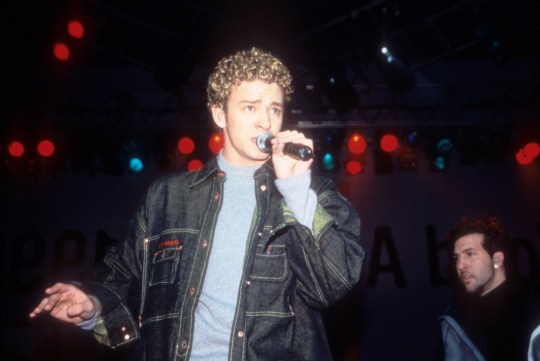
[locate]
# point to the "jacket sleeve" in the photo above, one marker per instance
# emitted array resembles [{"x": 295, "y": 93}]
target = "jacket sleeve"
[
  {"x": 328, "y": 259},
  {"x": 116, "y": 286}
]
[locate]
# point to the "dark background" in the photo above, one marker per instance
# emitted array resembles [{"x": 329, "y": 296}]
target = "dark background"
[{"x": 467, "y": 70}]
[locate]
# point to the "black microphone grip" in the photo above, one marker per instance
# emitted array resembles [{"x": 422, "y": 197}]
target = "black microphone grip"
[{"x": 297, "y": 151}]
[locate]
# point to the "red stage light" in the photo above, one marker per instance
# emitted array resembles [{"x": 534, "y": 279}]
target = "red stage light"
[
  {"x": 75, "y": 29},
  {"x": 523, "y": 158},
  {"x": 61, "y": 51},
  {"x": 186, "y": 145},
  {"x": 389, "y": 143},
  {"x": 45, "y": 148},
  {"x": 216, "y": 143},
  {"x": 194, "y": 164},
  {"x": 354, "y": 167},
  {"x": 356, "y": 144},
  {"x": 531, "y": 149},
  {"x": 16, "y": 149}
]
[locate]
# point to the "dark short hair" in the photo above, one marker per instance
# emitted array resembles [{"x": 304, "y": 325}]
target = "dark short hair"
[
  {"x": 495, "y": 236},
  {"x": 246, "y": 65}
]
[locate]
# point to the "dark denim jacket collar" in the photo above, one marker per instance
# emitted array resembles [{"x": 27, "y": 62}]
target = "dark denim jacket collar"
[{"x": 211, "y": 167}]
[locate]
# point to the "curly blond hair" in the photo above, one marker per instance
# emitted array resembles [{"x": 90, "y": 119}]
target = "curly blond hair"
[{"x": 246, "y": 65}]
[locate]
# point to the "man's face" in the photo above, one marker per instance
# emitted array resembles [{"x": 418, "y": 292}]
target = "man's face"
[
  {"x": 474, "y": 265},
  {"x": 253, "y": 108}
]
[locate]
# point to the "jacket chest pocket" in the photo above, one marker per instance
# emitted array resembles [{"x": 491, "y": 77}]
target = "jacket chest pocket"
[
  {"x": 270, "y": 264},
  {"x": 164, "y": 266}
]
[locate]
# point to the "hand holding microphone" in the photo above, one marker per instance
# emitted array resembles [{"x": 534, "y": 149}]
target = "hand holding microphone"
[{"x": 294, "y": 150}]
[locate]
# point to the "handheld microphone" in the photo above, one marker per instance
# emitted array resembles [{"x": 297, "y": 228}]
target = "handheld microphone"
[{"x": 297, "y": 151}]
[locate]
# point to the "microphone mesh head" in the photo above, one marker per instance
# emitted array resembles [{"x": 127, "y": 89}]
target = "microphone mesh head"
[{"x": 262, "y": 142}]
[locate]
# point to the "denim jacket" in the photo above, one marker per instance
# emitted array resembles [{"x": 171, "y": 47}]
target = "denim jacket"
[
  {"x": 457, "y": 345},
  {"x": 148, "y": 286}
]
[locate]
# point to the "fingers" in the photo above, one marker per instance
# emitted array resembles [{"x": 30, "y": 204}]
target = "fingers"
[
  {"x": 58, "y": 287},
  {"x": 65, "y": 301},
  {"x": 85, "y": 310},
  {"x": 284, "y": 165},
  {"x": 290, "y": 136},
  {"x": 46, "y": 304}
]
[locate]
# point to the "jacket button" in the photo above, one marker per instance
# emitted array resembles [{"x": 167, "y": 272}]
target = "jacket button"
[
  {"x": 216, "y": 196},
  {"x": 259, "y": 234},
  {"x": 204, "y": 244},
  {"x": 263, "y": 188},
  {"x": 192, "y": 291},
  {"x": 240, "y": 334},
  {"x": 126, "y": 337},
  {"x": 247, "y": 283},
  {"x": 183, "y": 344}
]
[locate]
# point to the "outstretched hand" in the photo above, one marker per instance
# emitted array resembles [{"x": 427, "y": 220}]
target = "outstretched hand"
[{"x": 66, "y": 303}]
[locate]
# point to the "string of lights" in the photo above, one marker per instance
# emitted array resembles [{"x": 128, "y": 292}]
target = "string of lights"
[{"x": 351, "y": 151}]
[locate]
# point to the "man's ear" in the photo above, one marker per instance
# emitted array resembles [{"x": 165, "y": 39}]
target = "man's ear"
[
  {"x": 498, "y": 259},
  {"x": 218, "y": 115}
]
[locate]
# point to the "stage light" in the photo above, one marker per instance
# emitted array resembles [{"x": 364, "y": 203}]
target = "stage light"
[
  {"x": 440, "y": 162},
  {"x": 45, "y": 148},
  {"x": 444, "y": 145},
  {"x": 522, "y": 158},
  {"x": 356, "y": 147},
  {"x": 194, "y": 164},
  {"x": 329, "y": 161},
  {"x": 528, "y": 153},
  {"x": 531, "y": 149},
  {"x": 215, "y": 143},
  {"x": 407, "y": 156},
  {"x": 439, "y": 146},
  {"x": 413, "y": 140},
  {"x": 328, "y": 147},
  {"x": 76, "y": 29},
  {"x": 354, "y": 167},
  {"x": 186, "y": 145},
  {"x": 389, "y": 143},
  {"x": 136, "y": 164},
  {"x": 440, "y": 158},
  {"x": 383, "y": 153},
  {"x": 398, "y": 76},
  {"x": 134, "y": 152},
  {"x": 16, "y": 149},
  {"x": 356, "y": 144},
  {"x": 61, "y": 51}
]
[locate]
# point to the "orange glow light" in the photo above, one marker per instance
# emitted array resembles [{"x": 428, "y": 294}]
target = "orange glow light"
[
  {"x": 216, "y": 143},
  {"x": 357, "y": 144}
]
